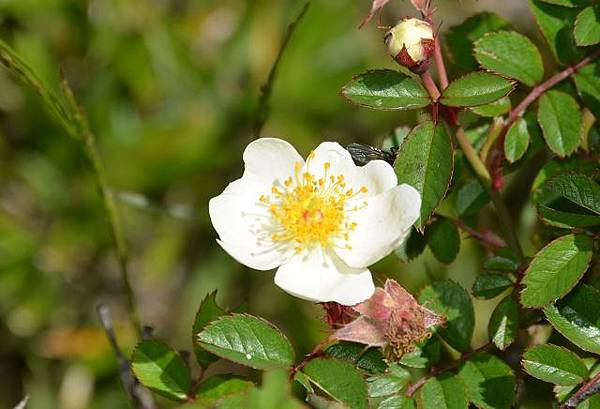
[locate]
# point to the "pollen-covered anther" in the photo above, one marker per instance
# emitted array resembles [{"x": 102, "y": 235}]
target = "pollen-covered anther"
[
  {"x": 312, "y": 210},
  {"x": 404, "y": 330}
]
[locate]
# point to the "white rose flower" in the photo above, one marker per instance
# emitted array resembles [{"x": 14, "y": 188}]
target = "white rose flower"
[{"x": 322, "y": 221}]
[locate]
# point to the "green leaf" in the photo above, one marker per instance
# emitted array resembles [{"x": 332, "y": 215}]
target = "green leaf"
[
  {"x": 386, "y": 90},
  {"x": 488, "y": 286},
  {"x": 562, "y": 393},
  {"x": 446, "y": 391},
  {"x": 556, "y": 24},
  {"x": 425, "y": 162},
  {"x": 412, "y": 247},
  {"x": 397, "y": 402},
  {"x": 471, "y": 197},
  {"x": 569, "y": 3},
  {"x": 53, "y": 102},
  {"x": 504, "y": 260},
  {"x": 587, "y": 80},
  {"x": 370, "y": 360},
  {"x": 556, "y": 269},
  {"x": 443, "y": 240},
  {"x": 339, "y": 380},
  {"x": 554, "y": 364},
  {"x": 560, "y": 119},
  {"x": 207, "y": 312},
  {"x": 569, "y": 200},
  {"x": 247, "y": 340},
  {"x": 161, "y": 369},
  {"x": 461, "y": 38},
  {"x": 426, "y": 353},
  {"x": 389, "y": 383},
  {"x": 219, "y": 386},
  {"x": 555, "y": 167},
  {"x": 577, "y": 319},
  {"x": 496, "y": 108},
  {"x": 587, "y": 26},
  {"x": 504, "y": 323},
  {"x": 511, "y": 54},
  {"x": 476, "y": 88},
  {"x": 516, "y": 141},
  {"x": 489, "y": 382},
  {"x": 452, "y": 301}
]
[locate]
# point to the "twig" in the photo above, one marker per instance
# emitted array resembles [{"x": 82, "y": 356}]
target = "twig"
[
  {"x": 482, "y": 173},
  {"x": 91, "y": 150},
  {"x": 23, "y": 403},
  {"x": 432, "y": 89},
  {"x": 590, "y": 388},
  {"x": 537, "y": 91},
  {"x": 439, "y": 63},
  {"x": 72, "y": 120},
  {"x": 262, "y": 111},
  {"x": 316, "y": 352},
  {"x": 517, "y": 112},
  {"x": 138, "y": 396},
  {"x": 412, "y": 388},
  {"x": 486, "y": 240}
]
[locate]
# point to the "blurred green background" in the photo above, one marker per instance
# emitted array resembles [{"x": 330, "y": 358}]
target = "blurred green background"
[{"x": 170, "y": 88}]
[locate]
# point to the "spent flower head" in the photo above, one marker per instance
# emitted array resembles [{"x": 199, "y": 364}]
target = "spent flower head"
[
  {"x": 392, "y": 319},
  {"x": 411, "y": 43},
  {"x": 322, "y": 221}
]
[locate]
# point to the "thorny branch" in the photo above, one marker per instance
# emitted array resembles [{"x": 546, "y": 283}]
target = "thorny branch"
[
  {"x": 590, "y": 388},
  {"x": 518, "y": 111},
  {"x": 139, "y": 397}
]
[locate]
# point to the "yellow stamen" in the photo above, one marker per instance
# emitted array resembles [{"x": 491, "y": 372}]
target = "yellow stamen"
[{"x": 310, "y": 210}]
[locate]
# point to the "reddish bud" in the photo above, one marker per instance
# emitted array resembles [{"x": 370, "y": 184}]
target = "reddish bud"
[
  {"x": 338, "y": 314},
  {"x": 411, "y": 43}
]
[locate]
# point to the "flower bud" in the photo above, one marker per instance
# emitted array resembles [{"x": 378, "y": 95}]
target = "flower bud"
[{"x": 411, "y": 44}]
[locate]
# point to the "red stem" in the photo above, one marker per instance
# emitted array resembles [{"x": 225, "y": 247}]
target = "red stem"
[
  {"x": 489, "y": 241},
  {"x": 590, "y": 388},
  {"x": 432, "y": 89},
  {"x": 440, "y": 65},
  {"x": 538, "y": 90}
]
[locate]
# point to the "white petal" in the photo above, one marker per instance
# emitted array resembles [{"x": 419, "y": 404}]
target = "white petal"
[
  {"x": 243, "y": 225},
  {"x": 321, "y": 276},
  {"x": 339, "y": 158},
  {"x": 270, "y": 160},
  {"x": 381, "y": 226},
  {"x": 377, "y": 176}
]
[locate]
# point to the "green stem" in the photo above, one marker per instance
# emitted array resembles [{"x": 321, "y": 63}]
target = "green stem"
[
  {"x": 482, "y": 173},
  {"x": 108, "y": 200}
]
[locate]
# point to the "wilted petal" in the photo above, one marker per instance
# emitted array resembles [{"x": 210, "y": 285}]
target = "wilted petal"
[
  {"x": 378, "y": 307},
  {"x": 375, "y": 7},
  {"x": 421, "y": 5},
  {"x": 362, "y": 330},
  {"x": 405, "y": 303},
  {"x": 431, "y": 318}
]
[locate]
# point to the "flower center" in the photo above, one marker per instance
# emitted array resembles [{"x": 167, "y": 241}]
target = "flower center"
[{"x": 309, "y": 210}]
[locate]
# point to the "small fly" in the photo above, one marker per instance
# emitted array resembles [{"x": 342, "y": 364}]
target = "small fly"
[{"x": 363, "y": 154}]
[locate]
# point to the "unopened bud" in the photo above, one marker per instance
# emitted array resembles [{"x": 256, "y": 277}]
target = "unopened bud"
[{"x": 411, "y": 43}]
